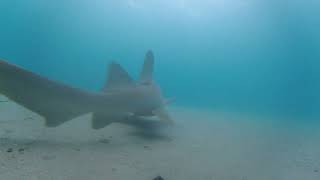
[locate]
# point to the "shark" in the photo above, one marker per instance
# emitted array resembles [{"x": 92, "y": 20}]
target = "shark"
[{"x": 121, "y": 96}]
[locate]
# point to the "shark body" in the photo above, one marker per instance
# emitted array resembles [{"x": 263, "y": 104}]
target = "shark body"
[{"x": 58, "y": 103}]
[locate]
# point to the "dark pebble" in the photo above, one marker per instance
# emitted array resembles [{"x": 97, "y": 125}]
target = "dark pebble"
[
  {"x": 10, "y": 150},
  {"x": 158, "y": 178},
  {"x": 316, "y": 171}
]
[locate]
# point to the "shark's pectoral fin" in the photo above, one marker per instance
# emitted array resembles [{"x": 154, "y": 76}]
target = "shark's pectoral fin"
[
  {"x": 163, "y": 115},
  {"x": 101, "y": 120}
]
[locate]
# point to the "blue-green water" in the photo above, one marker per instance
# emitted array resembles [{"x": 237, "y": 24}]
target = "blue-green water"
[{"x": 252, "y": 55}]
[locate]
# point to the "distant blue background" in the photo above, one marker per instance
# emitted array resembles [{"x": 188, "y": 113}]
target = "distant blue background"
[{"x": 250, "y": 55}]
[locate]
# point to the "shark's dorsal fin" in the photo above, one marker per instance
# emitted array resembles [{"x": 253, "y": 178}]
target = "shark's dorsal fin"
[
  {"x": 117, "y": 77},
  {"x": 146, "y": 74}
]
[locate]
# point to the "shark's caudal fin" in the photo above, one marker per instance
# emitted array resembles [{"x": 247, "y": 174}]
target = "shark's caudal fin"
[
  {"x": 117, "y": 77},
  {"x": 146, "y": 75},
  {"x": 56, "y": 102}
]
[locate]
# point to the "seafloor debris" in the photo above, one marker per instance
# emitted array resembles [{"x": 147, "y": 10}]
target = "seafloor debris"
[
  {"x": 10, "y": 150},
  {"x": 48, "y": 157},
  {"x": 158, "y": 178},
  {"x": 21, "y": 150},
  {"x": 147, "y": 147},
  {"x": 104, "y": 141},
  {"x": 77, "y": 149}
]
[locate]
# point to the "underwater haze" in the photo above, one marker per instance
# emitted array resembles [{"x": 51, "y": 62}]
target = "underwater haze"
[
  {"x": 244, "y": 76},
  {"x": 257, "y": 56}
]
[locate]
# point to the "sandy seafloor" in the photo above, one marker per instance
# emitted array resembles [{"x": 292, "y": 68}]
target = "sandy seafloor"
[{"x": 203, "y": 145}]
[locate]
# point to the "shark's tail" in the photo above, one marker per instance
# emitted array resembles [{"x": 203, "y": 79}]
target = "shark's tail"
[{"x": 56, "y": 102}]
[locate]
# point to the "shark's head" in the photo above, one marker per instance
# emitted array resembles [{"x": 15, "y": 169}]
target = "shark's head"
[
  {"x": 151, "y": 98},
  {"x": 147, "y": 95},
  {"x": 154, "y": 98}
]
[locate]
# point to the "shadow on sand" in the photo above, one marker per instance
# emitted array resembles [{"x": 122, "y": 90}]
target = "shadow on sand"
[{"x": 145, "y": 129}]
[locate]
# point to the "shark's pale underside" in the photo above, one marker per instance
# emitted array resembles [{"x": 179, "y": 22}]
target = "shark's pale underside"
[{"x": 120, "y": 98}]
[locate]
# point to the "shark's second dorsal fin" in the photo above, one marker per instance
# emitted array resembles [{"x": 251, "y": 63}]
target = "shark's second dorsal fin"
[
  {"x": 146, "y": 74},
  {"x": 117, "y": 77}
]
